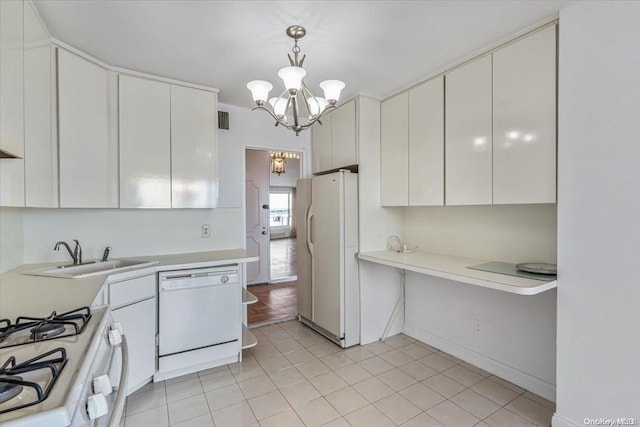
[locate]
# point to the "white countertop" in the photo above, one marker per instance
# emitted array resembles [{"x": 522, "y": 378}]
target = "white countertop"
[
  {"x": 22, "y": 294},
  {"x": 455, "y": 268}
]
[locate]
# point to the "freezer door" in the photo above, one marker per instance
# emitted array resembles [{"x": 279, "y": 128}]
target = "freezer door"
[
  {"x": 327, "y": 223},
  {"x": 303, "y": 203}
]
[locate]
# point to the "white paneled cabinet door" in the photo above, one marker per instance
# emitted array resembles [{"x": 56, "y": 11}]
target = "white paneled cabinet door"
[
  {"x": 468, "y": 130},
  {"x": 139, "y": 325},
  {"x": 145, "y": 143},
  {"x": 394, "y": 151},
  {"x": 194, "y": 133},
  {"x": 88, "y": 160},
  {"x": 321, "y": 144},
  {"x": 41, "y": 149},
  {"x": 11, "y": 103},
  {"x": 426, "y": 144},
  {"x": 344, "y": 148},
  {"x": 524, "y": 120}
]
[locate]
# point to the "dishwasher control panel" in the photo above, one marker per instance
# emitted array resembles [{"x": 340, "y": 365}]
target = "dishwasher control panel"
[{"x": 196, "y": 278}]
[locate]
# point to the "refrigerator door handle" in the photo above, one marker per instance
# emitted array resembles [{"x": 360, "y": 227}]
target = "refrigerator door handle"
[{"x": 309, "y": 231}]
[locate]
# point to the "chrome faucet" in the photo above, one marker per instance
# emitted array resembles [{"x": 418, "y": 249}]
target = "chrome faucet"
[
  {"x": 105, "y": 255},
  {"x": 76, "y": 254}
]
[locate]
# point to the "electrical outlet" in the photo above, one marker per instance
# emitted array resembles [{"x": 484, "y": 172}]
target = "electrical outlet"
[
  {"x": 206, "y": 230},
  {"x": 477, "y": 326}
]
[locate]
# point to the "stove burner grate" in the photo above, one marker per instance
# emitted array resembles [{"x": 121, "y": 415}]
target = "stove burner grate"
[
  {"x": 47, "y": 330},
  {"x": 9, "y": 390},
  {"x": 54, "y": 360}
]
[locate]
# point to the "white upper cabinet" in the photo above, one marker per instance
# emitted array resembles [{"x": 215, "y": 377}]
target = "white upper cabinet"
[
  {"x": 41, "y": 148},
  {"x": 194, "y": 132},
  {"x": 344, "y": 146},
  {"x": 145, "y": 143},
  {"x": 321, "y": 144},
  {"x": 394, "y": 151},
  {"x": 88, "y": 158},
  {"x": 11, "y": 103},
  {"x": 524, "y": 120},
  {"x": 468, "y": 130},
  {"x": 426, "y": 144}
]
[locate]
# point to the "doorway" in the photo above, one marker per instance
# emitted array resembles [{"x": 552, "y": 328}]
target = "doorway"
[{"x": 271, "y": 233}]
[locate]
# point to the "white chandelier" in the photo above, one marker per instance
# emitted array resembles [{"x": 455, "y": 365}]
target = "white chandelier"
[{"x": 289, "y": 101}]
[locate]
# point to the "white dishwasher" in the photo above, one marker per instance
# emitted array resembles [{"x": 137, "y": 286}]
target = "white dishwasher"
[{"x": 198, "y": 309}]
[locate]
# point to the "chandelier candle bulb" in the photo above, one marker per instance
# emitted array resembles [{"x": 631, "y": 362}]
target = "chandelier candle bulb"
[
  {"x": 259, "y": 90},
  {"x": 292, "y": 77},
  {"x": 317, "y": 105},
  {"x": 332, "y": 89},
  {"x": 279, "y": 106}
]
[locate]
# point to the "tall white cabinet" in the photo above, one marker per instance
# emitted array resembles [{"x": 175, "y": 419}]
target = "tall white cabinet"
[
  {"x": 88, "y": 158},
  {"x": 334, "y": 143},
  {"x": 394, "y": 151},
  {"x": 524, "y": 120},
  {"x": 145, "y": 143}
]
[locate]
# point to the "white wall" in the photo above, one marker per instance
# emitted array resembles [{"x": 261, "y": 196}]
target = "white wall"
[
  {"x": 599, "y": 212},
  {"x": 11, "y": 238},
  {"x": 289, "y": 178}
]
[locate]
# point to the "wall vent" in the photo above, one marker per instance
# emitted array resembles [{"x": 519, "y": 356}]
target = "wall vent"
[{"x": 223, "y": 120}]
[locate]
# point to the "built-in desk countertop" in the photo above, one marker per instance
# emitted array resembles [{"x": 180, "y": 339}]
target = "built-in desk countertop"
[{"x": 455, "y": 268}]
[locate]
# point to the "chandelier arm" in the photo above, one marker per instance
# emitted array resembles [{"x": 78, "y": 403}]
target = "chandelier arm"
[
  {"x": 294, "y": 102},
  {"x": 260, "y": 107},
  {"x": 306, "y": 99}
]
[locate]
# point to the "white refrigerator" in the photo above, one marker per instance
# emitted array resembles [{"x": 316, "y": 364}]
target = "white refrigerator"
[{"x": 327, "y": 241}]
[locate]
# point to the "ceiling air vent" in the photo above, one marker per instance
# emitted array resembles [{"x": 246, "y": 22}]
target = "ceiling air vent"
[{"x": 223, "y": 120}]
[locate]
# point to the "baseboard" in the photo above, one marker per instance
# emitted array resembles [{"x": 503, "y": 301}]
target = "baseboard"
[
  {"x": 519, "y": 378},
  {"x": 559, "y": 421}
]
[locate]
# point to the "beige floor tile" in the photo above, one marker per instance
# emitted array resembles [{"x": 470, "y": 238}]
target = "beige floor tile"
[
  {"x": 311, "y": 340},
  {"x": 218, "y": 369},
  {"x": 397, "y": 358},
  {"x": 284, "y": 419},
  {"x": 422, "y": 396},
  {"x": 201, "y": 421},
  {"x": 313, "y": 368},
  {"x": 397, "y": 408},
  {"x": 443, "y": 385},
  {"x": 286, "y": 377},
  {"x": 373, "y": 389},
  {"x": 237, "y": 415},
  {"x": 340, "y": 422},
  {"x": 300, "y": 356},
  {"x": 317, "y": 412},
  {"x": 375, "y": 365},
  {"x": 268, "y": 404},
  {"x": 337, "y": 360},
  {"x": 396, "y": 379},
  {"x": 288, "y": 346},
  {"x": 422, "y": 420},
  {"x": 185, "y": 409},
  {"x": 181, "y": 378},
  {"x": 494, "y": 391},
  {"x": 437, "y": 362},
  {"x": 299, "y": 394},
  {"x": 275, "y": 363},
  {"x": 475, "y": 369},
  {"x": 451, "y": 415},
  {"x": 157, "y": 417},
  {"x": 505, "y": 418},
  {"x": 482, "y": 424},
  {"x": 139, "y": 402},
  {"x": 266, "y": 352},
  {"x": 415, "y": 350},
  {"x": 540, "y": 400},
  {"x": 346, "y": 400},
  {"x": 464, "y": 376},
  {"x": 378, "y": 347},
  {"x": 475, "y": 403},
  {"x": 217, "y": 380},
  {"x": 246, "y": 370},
  {"x": 150, "y": 387},
  {"x": 399, "y": 340},
  {"x": 327, "y": 383},
  {"x": 256, "y": 386},
  {"x": 278, "y": 337},
  {"x": 450, "y": 357},
  {"x": 427, "y": 346},
  {"x": 507, "y": 384},
  {"x": 358, "y": 353},
  {"x": 323, "y": 349},
  {"x": 352, "y": 374},
  {"x": 418, "y": 371},
  {"x": 531, "y": 411},
  {"x": 369, "y": 416},
  {"x": 184, "y": 389},
  {"x": 225, "y": 396}
]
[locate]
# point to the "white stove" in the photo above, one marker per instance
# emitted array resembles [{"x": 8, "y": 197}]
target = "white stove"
[{"x": 65, "y": 379}]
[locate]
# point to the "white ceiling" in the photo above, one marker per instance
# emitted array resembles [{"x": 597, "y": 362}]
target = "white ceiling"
[{"x": 375, "y": 47}]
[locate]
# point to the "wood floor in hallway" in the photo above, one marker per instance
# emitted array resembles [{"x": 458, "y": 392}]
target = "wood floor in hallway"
[{"x": 276, "y": 302}]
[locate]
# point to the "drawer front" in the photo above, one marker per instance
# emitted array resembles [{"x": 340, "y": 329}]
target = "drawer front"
[{"x": 130, "y": 291}]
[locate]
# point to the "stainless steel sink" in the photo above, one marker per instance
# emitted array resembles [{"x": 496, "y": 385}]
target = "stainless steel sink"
[{"x": 90, "y": 269}]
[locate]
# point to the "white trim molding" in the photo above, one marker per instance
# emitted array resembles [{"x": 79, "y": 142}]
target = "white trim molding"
[{"x": 560, "y": 421}]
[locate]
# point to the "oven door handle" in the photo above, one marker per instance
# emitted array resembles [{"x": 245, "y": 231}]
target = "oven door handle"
[{"x": 118, "y": 406}]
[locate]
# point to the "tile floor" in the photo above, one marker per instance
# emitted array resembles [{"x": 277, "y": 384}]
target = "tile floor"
[
  {"x": 294, "y": 377},
  {"x": 276, "y": 302}
]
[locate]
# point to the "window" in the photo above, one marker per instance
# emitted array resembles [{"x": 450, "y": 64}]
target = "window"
[{"x": 280, "y": 207}]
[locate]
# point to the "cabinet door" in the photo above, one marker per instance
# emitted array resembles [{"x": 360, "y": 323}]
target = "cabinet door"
[
  {"x": 139, "y": 326},
  {"x": 194, "y": 133},
  {"x": 145, "y": 143},
  {"x": 321, "y": 144},
  {"x": 88, "y": 166},
  {"x": 426, "y": 144},
  {"x": 468, "y": 130},
  {"x": 41, "y": 149},
  {"x": 394, "y": 151},
  {"x": 11, "y": 103},
  {"x": 524, "y": 120},
  {"x": 344, "y": 149}
]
